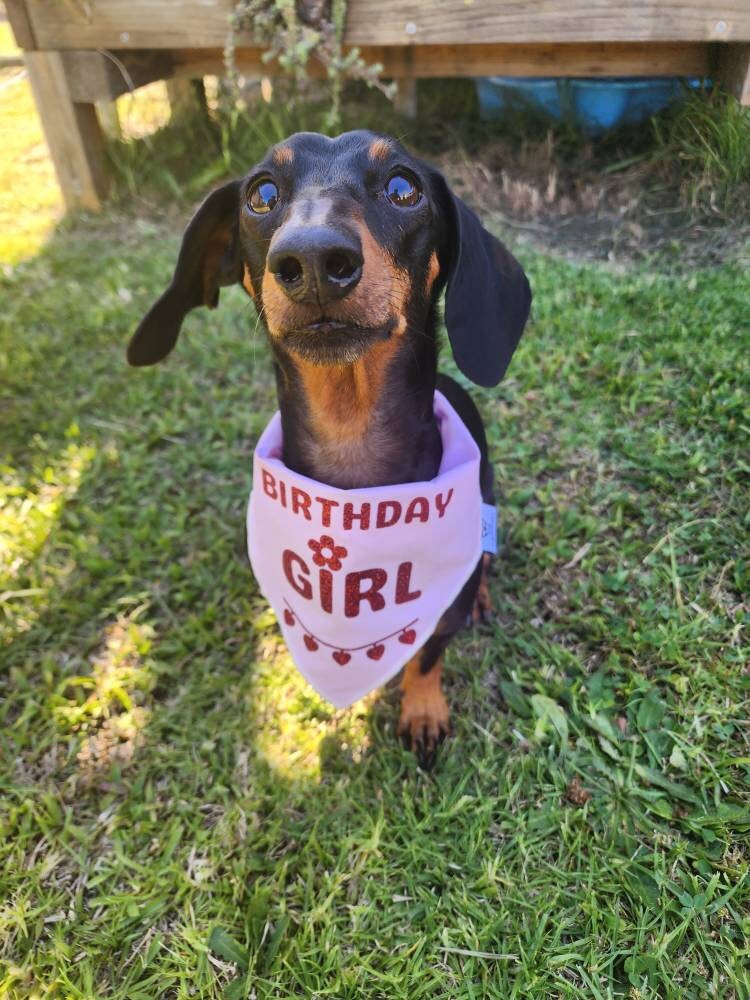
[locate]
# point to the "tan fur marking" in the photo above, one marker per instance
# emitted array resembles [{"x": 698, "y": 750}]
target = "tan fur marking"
[
  {"x": 433, "y": 271},
  {"x": 383, "y": 290},
  {"x": 277, "y": 309},
  {"x": 425, "y": 717},
  {"x": 215, "y": 249},
  {"x": 247, "y": 283},
  {"x": 283, "y": 155},
  {"x": 381, "y": 295},
  {"x": 379, "y": 149},
  {"x": 341, "y": 398},
  {"x": 482, "y": 610}
]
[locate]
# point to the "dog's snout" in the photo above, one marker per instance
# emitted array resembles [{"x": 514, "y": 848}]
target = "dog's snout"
[{"x": 316, "y": 264}]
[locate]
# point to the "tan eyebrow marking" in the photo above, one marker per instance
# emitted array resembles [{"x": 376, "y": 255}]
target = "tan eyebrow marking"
[
  {"x": 282, "y": 155},
  {"x": 379, "y": 149}
]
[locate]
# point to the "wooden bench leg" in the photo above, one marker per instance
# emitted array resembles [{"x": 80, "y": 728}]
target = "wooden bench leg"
[
  {"x": 405, "y": 101},
  {"x": 72, "y": 131},
  {"x": 186, "y": 97},
  {"x": 109, "y": 119},
  {"x": 734, "y": 70}
]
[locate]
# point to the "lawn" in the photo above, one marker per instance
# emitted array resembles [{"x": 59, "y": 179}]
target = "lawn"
[{"x": 183, "y": 817}]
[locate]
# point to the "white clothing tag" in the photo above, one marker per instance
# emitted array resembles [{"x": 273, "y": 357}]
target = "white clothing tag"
[{"x": 489, "y": 528}]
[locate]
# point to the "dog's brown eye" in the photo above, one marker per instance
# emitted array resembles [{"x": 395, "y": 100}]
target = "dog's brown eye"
[
  {"x": 402, "y": 192},
  {"x": 263, "y": 197}
]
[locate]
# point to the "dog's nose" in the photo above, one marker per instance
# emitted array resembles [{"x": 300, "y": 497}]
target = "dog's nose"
[{"x": 316, "y": 264}]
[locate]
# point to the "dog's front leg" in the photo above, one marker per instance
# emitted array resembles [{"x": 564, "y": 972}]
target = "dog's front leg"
[
  {"x": 424, "y": 720},
  {"x": 482, "y": 609}
]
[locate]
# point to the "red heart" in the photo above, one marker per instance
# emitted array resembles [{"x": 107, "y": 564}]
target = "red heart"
[
  {"x": 341, "y": 657},
  {"x": 376, "y": 651},
  {"x": 311, "y": 643},
  {"x": 288, "y": 617},
  {"x": 407, "y": 636}
]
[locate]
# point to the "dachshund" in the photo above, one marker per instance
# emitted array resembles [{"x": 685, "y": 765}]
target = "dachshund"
[{"x": 345, "y": 246}]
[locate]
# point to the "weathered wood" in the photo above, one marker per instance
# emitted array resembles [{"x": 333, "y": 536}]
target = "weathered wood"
[
  {"x": 592, "y": 59},
  {"x": 109, "y": 119},
  {"x": 72, "y": 131},
  {"x": 187, "y": 97},
  {"x": 433, "y": 22},
  {"x": 122, "y": 24},
  {"x": 8, "y": 62},
  {"x": 733, "y": 71},
  {"x": 20, "y": 23},
  {"x": 104, "y": 76},
  {"x": 405, "y": 101},
  {"x": 106, "y": 48}
]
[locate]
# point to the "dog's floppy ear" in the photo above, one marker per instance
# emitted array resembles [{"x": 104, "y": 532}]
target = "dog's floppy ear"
[
  {"x": 209, "y": 258},
  {"x": 487, "y": 297}
]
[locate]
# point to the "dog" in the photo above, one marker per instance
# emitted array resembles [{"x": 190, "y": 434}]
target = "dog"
[{"x": 345, "y": 246}]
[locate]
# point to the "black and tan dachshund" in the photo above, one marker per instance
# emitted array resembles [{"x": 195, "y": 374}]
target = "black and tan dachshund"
[{"x": 345, "y": 246}]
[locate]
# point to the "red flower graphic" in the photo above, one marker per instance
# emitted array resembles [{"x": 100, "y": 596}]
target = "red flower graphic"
[{"x": 327, "y": 553}]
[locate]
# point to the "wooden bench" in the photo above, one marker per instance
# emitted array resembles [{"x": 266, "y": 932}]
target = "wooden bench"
[{"x": 86, "y": 52}]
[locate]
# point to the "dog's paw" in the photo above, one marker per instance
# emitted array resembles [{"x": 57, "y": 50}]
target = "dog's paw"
[{"x": 424, "y": 722}]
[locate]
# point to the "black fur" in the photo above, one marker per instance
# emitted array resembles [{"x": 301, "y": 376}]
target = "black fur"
[
  {"x": 195, "y": 282},
  {"x": 487, "y": 298},
  {"x": 487, "y": 304}
]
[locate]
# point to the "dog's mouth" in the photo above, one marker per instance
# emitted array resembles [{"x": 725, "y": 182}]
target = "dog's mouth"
[{"x": 326, "y": 341}]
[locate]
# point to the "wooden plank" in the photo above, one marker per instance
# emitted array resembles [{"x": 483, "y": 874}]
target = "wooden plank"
[
  {"x": 601, "y": 59},
  {"x": 405, "y": 101},
  {"x": 433, "y": 22},
  {"x": 109, "y": 119},
  {"x": 591, "y": 59},
  {"x": 72, "y": 132},
  {"x": 20, "y": 23},
  {"x": 733, "y": 71},
  {"x": 122, "y": 24},
  {"x": 104, "y": 76}
]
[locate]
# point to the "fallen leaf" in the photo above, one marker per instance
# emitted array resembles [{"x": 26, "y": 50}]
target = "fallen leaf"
[
  {"x": 576, "y": 793},
  {"x": 578, "y": 556}
]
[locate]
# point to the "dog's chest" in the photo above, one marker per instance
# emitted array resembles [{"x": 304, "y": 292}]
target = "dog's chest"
[{"x": 384, "y": 454}]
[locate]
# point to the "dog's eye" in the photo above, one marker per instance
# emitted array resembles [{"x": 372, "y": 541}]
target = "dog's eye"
[
  {"x": 402, "y": 191},
  {"x": 263, "y": 196}
]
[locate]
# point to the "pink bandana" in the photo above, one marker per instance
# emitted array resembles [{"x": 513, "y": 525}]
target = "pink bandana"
[{"x": 360, "y": 578}]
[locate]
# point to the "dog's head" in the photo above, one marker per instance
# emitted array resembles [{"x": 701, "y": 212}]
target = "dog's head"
[{"x": 344, "y": 243}]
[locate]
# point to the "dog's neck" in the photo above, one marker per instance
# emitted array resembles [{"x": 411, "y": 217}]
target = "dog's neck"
[{"x": 370, "y": 423}]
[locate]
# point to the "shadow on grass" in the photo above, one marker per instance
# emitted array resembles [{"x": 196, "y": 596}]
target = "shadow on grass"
[{"x": 142, "y": 670}]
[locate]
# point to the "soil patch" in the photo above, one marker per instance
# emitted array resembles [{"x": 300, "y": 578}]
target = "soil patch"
[{"x": 586, "y": 211}]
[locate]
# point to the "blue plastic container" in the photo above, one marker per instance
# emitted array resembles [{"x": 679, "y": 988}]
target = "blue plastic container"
[
  {"x": 594, "y": 105},
  {"x": 600, "y": 105},
  {"x": 501, "y": 93}
]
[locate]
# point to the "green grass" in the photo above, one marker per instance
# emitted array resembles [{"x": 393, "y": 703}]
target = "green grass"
[
  {"x": 183, "y": 817},
  {"x": 707, "y": 140},
  {"x": 30, "y": 201}
]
